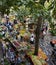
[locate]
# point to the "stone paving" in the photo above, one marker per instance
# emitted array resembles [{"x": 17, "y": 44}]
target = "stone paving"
[{"x": 46, "y": 47}]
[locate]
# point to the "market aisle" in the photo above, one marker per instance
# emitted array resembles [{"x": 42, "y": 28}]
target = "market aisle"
[
  {"x": 45, "y": 44},
  {"x": 46, "y": 47}
]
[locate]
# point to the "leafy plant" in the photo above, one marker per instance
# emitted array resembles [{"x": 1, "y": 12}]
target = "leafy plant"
[
  {"x": 6, "y": 62},
  {"x": 53, "y": 32}
]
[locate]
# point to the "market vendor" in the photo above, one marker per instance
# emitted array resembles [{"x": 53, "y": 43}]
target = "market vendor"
[{"x": 53, "y": 42}]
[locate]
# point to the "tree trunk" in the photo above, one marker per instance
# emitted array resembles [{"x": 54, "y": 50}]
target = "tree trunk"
[{"x": 37, "y": 32}]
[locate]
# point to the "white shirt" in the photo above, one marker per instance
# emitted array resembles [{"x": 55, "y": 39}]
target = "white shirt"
[{"x": 32, "y": 38}]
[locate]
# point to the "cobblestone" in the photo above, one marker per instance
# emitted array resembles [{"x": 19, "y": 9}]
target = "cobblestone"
[{"x": 46, "y": 47}]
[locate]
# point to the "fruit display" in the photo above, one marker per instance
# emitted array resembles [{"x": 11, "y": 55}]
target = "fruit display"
[
  {"x": 36, "y": 60},
  {"x": 21, "y": 45},
  {"x": 2, "y": 27},
  {"x": 26, "y": 37},
  {"x": 22, "y": 32},
  {"x": 16, "y": 26},
  {"x": 16, "y": 44},
  {"x": 24, "y": 46},
  {"x": 43, "y": 62},
  {"x": 41, "y": 54}
]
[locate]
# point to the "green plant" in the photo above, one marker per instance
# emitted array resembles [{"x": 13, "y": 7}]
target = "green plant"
[
  {"x": 53, "y": 32},
  {"x": 6, "y": 62}
]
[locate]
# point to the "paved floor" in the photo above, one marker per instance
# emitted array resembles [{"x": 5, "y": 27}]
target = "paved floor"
[{"x": 46, "y": 47}]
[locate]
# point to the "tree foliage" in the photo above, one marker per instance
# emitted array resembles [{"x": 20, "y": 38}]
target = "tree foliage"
[
  {"x": 23, "y": 12},
  {"x": 35, "y": 8},
  {"x": 5, "y": 5}
]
